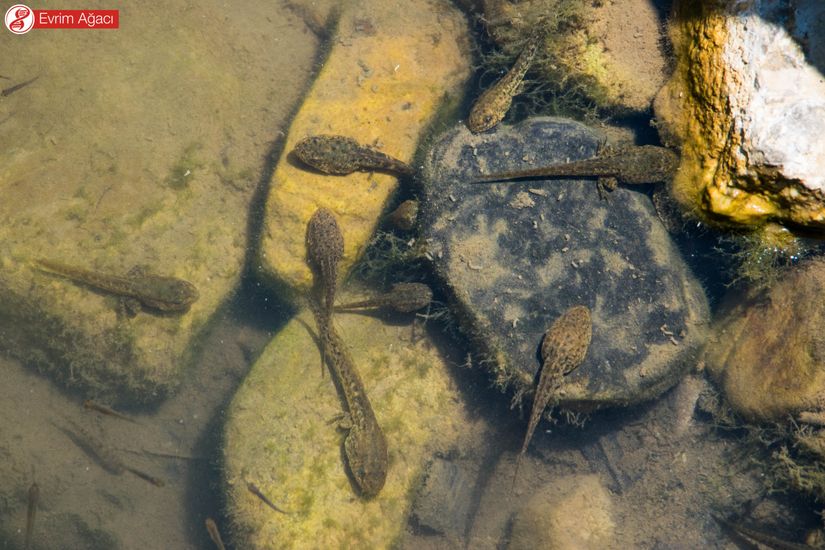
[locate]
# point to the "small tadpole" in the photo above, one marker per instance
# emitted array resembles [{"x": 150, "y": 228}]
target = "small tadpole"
[
  {"x": 257, "y": 492},
  {"x": 11, "y": 89},
  {"x": 214, "y": 534},
  {"x": 90, "y": 405},
  {"x": 31, "y": 511},
  {"x": 104, "y": 455}
]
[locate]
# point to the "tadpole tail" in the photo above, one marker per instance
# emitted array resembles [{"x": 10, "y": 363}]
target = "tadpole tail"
[
  {"x": 11, "y": 89},
  {"x": 355, "y": 305},
  {"x": 515, "y": 472},
  {"x": 157, "y": 482},
  {"x": 31, "y": 512}
]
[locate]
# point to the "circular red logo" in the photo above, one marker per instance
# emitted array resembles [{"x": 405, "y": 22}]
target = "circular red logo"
[{"x": 19, "y": 19}]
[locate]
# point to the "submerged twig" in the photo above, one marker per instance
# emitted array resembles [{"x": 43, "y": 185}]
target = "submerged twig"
[{"x": 11, "y": 89}]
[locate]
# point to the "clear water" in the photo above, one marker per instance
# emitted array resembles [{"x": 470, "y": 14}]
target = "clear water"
[{"x": 207, "y": 89}]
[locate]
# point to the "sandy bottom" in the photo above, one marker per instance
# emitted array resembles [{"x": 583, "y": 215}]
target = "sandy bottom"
[
  {"x": 177, "y": 443},
  {"x": 667, "y": 472}
]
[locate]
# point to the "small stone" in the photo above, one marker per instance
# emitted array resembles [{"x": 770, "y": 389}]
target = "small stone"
[
  {"x": 404, "y": 216},
  {"x": 445, "y": 500},
  {"x": 498, "y": 265},
  {"x": 767, "y": 350},
  {"x": 278, "y": 436},
  {"x": 571, "y": 512}
]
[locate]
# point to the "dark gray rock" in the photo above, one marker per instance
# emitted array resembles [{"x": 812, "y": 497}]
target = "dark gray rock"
[
  {"x": 444, "y": 503},
  {"x": 514, "y": 256}
]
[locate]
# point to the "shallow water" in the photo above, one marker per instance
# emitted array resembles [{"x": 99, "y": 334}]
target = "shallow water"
[{"x": 210, "y": 93}]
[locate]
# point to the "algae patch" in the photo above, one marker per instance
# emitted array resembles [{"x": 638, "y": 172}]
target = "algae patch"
[
  {"x": 299, "y": 458},
  {"x": 184, "y": 168}
]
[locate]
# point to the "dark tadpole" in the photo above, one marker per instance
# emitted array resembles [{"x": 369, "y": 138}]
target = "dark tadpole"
[
  {"x": 31, "y": 511},
  {"x": 11, "y": 89}
]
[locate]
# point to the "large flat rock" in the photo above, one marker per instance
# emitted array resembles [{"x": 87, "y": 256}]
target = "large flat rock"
[
  {"x": 278, "y": 435},
  {"x": 391, "y": 67},
  {"x": 514, "y": 256},
  {"x": 136, "y": 146}
]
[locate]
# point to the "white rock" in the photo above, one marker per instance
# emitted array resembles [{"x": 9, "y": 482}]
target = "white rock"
[
  {"x": 747, "y": 103},
  {"x": 777, "y": 98}
]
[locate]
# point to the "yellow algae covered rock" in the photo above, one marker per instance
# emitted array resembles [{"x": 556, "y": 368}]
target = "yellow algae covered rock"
[
  {"x": 768, "y": 352},
  {"x": 747, "y": 104},
  {"x": 135, "y": 146},
  {"x": 279, "y": 437},
  {"x": 606, "y": 54},
  {"x": 390, "y": 68}
]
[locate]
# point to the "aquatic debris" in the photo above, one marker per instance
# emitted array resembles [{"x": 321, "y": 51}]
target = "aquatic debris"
[
  {"x": 562, "y": 351},
  {"x": 402, "y": 297},
  {"x": 493, "y": 104},
  {"x": 340, "y": 155},
  {"x": 165, "y": 294},
  {"x": 214, "y": 534},
  {"x": 759, "y": 536},
  {"x": 313, "y": 20},
  {"x": 11, "y": 89}
]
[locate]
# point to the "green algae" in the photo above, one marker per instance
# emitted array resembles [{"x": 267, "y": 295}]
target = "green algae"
[
  {"x": 301, "y": 455},
  {"x": 183, "y": 171}
]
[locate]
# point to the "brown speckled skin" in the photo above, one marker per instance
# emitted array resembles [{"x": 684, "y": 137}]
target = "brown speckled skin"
[
  {"x": 629, "y": 164},
  {"x": 166, "y": 294},
  {"x": 325, "y": 248},
  {"x": 365, "y": 446},
  {"x": 340, "y": 155},
  {"x": 493, "y": 104},
  {"x": 402, "y": 297},
  {"x": 562, "y": 351}
]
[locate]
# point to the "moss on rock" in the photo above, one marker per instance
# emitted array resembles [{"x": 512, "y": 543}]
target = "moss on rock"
[
  {"x": 279, "y": 436},
  {"x": 387, "y": 75},
  {"x": 116, "y": 163},
  {"x": 767, "y": 350}
]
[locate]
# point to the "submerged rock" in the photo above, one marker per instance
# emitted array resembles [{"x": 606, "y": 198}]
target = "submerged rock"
[
  {"x": 149, "y": 156},
  {"x": 389, "y": 72},
  {"x": 747, "y": 102},
  {"x": 768, "y": 349},
  {"x": 571, "y": 512},
  {"x": 608, "y": 54},
  {"x": 446, "y": 499},
  {"x": 513, "y": 256},
  {"x": 278, "y": 435}
]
